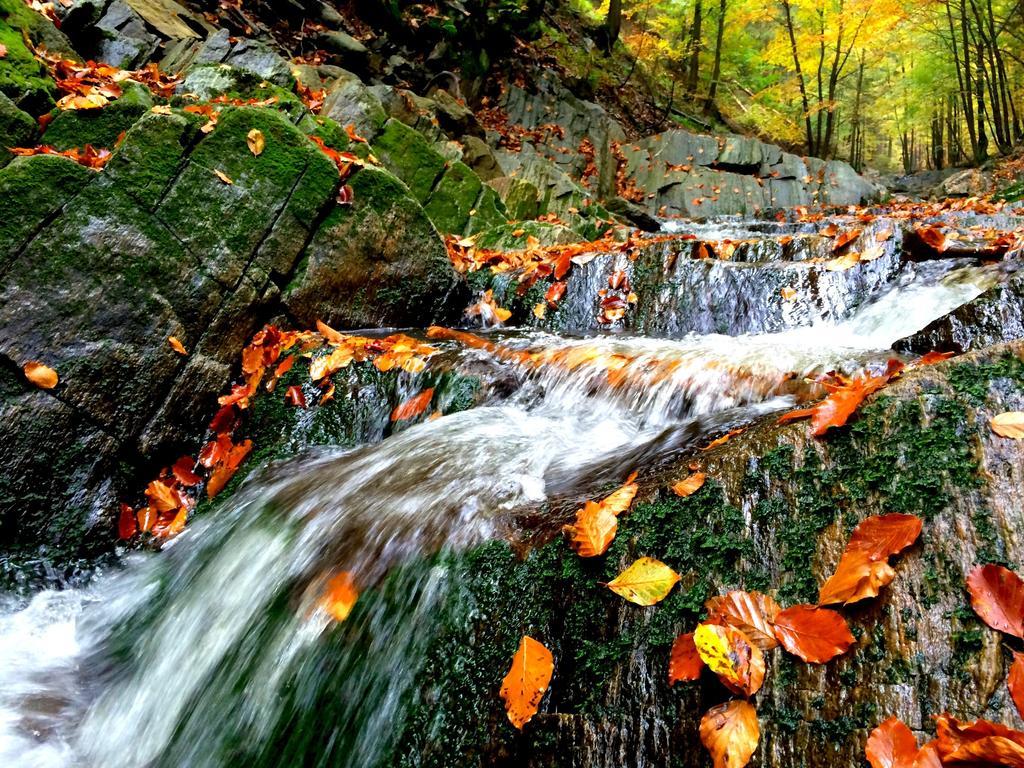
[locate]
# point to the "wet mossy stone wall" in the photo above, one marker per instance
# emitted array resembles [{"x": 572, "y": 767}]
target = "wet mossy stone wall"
[
  {"x": 98, "y": 269},
  {"x": 774, "y": 515}
]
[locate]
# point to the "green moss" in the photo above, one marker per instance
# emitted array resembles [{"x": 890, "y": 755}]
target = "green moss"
[
  {"x": 22, "y": 77},
  {"x": 488, "y": 212},
  {"x": 973, "y": 380},
  {"x": 453, "y": 199},
  {"x": 99, "y": 127},
  {"x": 410, "y": 157},
  {"x": 31, "y": 190},
  {"x": 148, "y": 158},
  {"x": 17, "y": 129}
]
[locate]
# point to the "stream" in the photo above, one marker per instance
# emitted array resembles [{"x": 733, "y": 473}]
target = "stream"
[{"x": 206, "y": 654}]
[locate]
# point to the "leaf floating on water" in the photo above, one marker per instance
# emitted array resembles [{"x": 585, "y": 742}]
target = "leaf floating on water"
[
  {"x": 684, "y": 661},
  {"x": 814, "y": 634},
  {"x": 730, "y": 733},
  {"x": 413, "y": 407},
  {"x": 254, "y": 139},
  {"x": 527, "y": 681},
  {"x": 689, "y": 485},
  {"x": 176, "y": 345},
  {"x": 1009, "y": 424},
  {"x": 593, "y": 531},
  {"x": 731, "y": 655},
  {"x": 646, "y": 582},
  {"x": 892, "y": 745},
  {"x": 43, "y": 376},
  {"x": 753, "y": 613},
  {"x": 340, "y": 596},
  {"x": 997, "y": 596}
]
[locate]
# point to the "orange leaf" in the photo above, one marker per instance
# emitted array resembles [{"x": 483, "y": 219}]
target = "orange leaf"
[
  {"x": 1010, "y": 424},
  {"x": 997, "y": 596},
  {"x": 845, "y": 238},
  {"x": 881, "y": 536},
  {"x": 126, "y": 524},
  {"x": 330, "y": 335},
  {"x": 147, "y": 518},
  {"x": 183, "y": 471},
  {"x": 751, "y": 612},
  {"x": 295, "y": 396},
  {"x": 788, "y": 292},
  {"x": 1015, "y": 682},
  {"x": 730, "y": 732},
  {"x": 891, "y": 745},
  {"x": 527, "y": 680},
  {"x": 933, "y": 357},
  {"x": 731, "y": 655},
  {"x": 41, "y": 375},
  {"x": 225, "y": 470},
  {"x": 554, "y": 294},
  {"x": 593, "y": 531},
  {"x": 814, "y": 634},
  {"x": 933, "y": 237},
  {"x": 691, "y": 484},
  {"x": 162, "y": 496},
  {"x": 618, "y": 501},
  {"x": 340, "y": 596},
  {"x": 414, "y": 406},
  {"x": 223, "y": 176},
  {"x": 976, "y": 744},
  {"x": 928, "y": 756},
  {"x": 684, "y": 662},
  {"x": 176, "y": 345},
  {"x": 838, "y": 407},
  {"x": 857, "y": 578}
]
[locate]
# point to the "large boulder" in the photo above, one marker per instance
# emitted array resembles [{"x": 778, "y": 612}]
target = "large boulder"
[
  {"x": 188, "y": 235},
  {"x": 383, "y": 255}
]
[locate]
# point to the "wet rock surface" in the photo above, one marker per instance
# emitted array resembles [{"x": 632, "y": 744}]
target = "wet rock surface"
[{"x": 774, "y": 515}]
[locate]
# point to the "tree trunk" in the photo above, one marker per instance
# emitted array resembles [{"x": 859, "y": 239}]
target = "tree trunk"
[
  {"x": 788, "y": 20},
  {"x": 612, "y": 25},
  {"x": 695, "y": 46},
  {"x": 716, "y": 71}
]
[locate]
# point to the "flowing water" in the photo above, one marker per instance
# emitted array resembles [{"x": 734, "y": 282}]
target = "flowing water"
[{"x": 210, "y": 652}]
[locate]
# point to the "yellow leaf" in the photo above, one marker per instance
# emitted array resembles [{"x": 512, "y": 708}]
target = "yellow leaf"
[
  {"x": 540, "y": 310},
  {"x": 161, "y": 109},
  {"x": 646, "y": 582},
  {"x": 731, "y": 655},
  {"x": 527, "y": 680},
  {"x": 43, "y": 376},
  {"x": 255, "y": 141},
  {"x": 223, "y": 177},
  {"x": 788, "y": 293},
  {"x": 1009, "y": 424}
]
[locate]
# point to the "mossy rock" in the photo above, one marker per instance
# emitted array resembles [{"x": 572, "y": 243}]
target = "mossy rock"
[
  {"x": 410, "y": 157},
  {"x": 453, "y": 199},
  {"x": 149, "y": 157},
  {"x": 17, "y": 129},
  {"x": 22, "y": 78},
  {"x": 377, "y": 262},
  {"x": 521, "y": 198},
  {"x": 489, "y": 212},
  {"x": 270, "y": 203},
  {"x": 99, "y": 127},
  {"x": 512, "y": 236},
  {"x": 32, "y": 189}
]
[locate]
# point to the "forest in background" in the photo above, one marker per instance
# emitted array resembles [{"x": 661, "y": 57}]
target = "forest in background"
[
  {"x": 891, "y": 83},
  {"x": 894, "y": 84}
]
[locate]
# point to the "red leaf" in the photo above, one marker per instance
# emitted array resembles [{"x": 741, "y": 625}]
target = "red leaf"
[
  {"x": 183, "y": 470},
  {"x": 814, "y": 634},
  {"x": 891, "y": 745},
  {"x": 126, "y": 524},
  {"x": 295, "y": 396},
  {"x": 1015, "y": 682},
  {"x": 554, "y": 294},
  {"x": 977, "y": 744},
  {"x": 414, "y": 406},
  {"x": 856, "y": 578},
  {"x": 684, "y": 663},
  {"x": 997, "y": 596}
]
